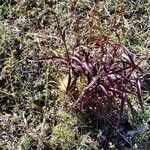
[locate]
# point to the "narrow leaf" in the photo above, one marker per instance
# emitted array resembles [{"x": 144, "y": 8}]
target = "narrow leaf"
[
  {"x": 103, "y": 89},
  {"x": 138, "y": 86}
]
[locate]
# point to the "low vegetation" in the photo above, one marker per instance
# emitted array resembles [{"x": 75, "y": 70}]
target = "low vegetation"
[{"x": 74, "y": 74}]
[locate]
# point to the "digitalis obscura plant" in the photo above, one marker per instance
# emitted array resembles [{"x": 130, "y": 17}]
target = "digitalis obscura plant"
[
  {"x": 112, "y": 77},
  {"x": 110, "y": 69}
]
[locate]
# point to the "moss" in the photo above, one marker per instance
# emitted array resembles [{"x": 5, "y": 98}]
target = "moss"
[
  {"x": 63, "y": 136},
  {"x": 28, "y": 142}
]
